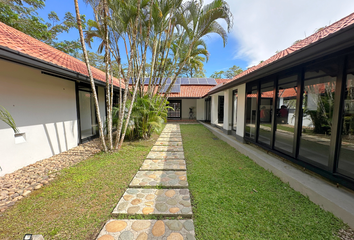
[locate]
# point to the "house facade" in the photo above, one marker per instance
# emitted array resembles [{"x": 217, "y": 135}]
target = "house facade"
[
  {"x": 49, "y": 96},
  {"x": 299, "y": 104}
]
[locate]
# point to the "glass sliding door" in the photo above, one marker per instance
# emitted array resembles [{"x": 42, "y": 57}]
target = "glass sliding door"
[
  {"x": 285, "y": 114},
  {"x": 265, "y": 113},
  {"x": 221, "y": 109},
  {"x": 318, "y": 102},
  {"x": 346, "y": 154},
  {"x": 251, "y": 111},
  {"x": 88, "y": 122},
  {"x": 234, "y": 110},
  {"x": 208, "y": 109},
  {"x": 175, "y": 110}
]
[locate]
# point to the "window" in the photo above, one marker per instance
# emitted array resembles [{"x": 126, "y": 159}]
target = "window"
[
  {"x": 346, "y": 159},
  {"x": 175, "y": 110},
  {"x": 88, "y": 120},
  {"x": 317, "y": 104},
  {"x": 285, "y": 114},
  {"x": 220, "y": 109},
  {"x": 208, "y": 109},
  {"x": 234, "y": 109},
  {"x": 265, "y": 112},
  {"x": 251, "y": 111}
]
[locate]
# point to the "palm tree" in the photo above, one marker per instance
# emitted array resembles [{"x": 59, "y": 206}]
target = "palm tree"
[{"x": 82, "y": 40}]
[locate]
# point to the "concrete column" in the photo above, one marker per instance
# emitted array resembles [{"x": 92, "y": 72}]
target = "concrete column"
[
  {"x": 227, "y": 110},
  {"x": 241, "y": 103},
  {"x": 214, "y": 109},
  {"x": 200, "y": 109}
]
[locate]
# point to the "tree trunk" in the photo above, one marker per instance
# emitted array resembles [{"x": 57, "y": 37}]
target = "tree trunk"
[
  {"x": 107, "y": 62},
  {"x": 100, "y": 128}
]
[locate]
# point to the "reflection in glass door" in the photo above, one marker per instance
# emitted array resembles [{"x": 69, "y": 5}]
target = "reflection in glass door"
[
  {"x": 88, "y": 123},
  {"x": 265, "y": 113},
  {"x": 318, "y": 103},
  {"x": 346, "y": 154},
  {"x": 251, "y": 112},
  {"x": 285, "y": 114}
]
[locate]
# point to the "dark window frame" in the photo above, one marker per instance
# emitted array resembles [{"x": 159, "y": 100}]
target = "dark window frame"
[{"x": 331, "y": 172}]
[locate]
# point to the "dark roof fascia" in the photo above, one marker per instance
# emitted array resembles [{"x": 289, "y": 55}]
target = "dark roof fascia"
[
  {"x": 52, "y": 69},
  {"x": 333, "y": 43}
]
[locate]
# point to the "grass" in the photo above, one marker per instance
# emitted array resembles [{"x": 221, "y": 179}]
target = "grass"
[
  {"x": 234, "y": 198},
  {"x": 80, "y": 200}
]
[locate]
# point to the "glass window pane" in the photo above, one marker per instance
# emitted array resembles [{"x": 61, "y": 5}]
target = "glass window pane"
[
  {"x": 346, "y": 159},
  {"x": 88, "y": 125},
  {"x": 285, "y": 114},
  {"x": 265, "y": 112},
  {"x": 221, "y": 109},
  {"x": 251, "y": 114},
  {"x": 318, "y": 102},
  {"x": 234, "y": 110},
  {"x": 175, "y": 112}
]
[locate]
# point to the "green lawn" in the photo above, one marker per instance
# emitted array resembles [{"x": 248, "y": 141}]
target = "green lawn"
[
  {"x": 234, "y": 198},
  {"x": 80, "y": 200}
]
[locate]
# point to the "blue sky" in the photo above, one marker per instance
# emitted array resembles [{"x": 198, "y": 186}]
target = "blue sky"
[{"x": 261, "y": 27}]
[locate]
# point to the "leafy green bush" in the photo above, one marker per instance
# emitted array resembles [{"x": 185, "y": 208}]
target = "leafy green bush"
[{"x": 146, "y": 118}]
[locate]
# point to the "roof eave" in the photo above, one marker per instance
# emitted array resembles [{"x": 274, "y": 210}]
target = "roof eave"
[
  {"x": 335, "y": 42},
  {"x": 58, "y": 71}
]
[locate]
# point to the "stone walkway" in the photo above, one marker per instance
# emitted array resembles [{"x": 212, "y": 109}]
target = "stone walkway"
[{"x": 158, "y": 190}]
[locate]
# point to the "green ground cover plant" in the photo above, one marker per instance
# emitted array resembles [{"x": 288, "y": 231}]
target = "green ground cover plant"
[
  {"x": 80, "y": 200},
  {"x": 234, "y": 198}
]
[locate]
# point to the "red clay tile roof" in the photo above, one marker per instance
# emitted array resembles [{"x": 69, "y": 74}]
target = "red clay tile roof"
[
  {"x": 18, "y": 41},
  {"x": 335, "y": 27},
  {"x": 191, "y": 91},
  {"x": 220, "y": 82}
]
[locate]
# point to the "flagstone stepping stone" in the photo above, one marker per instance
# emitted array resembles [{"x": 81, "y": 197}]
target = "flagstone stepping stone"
[
  {"x": 169, "y": 139},
  {"x": 150, "y": 229},
  {"x": 165, "y": 155},
  {"x": 161, "y": 202},
  {"x": 167, "y": 149},
  {"x": 174, "y": 179},
  {"x": 163, "y": 165},
  {"x": 166, "y": 143},
  {"x": 174, "y": 130},
  {"x": 169, "y": 134}
]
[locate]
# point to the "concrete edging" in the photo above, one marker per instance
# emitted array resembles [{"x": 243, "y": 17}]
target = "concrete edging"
[{"x": 335, "y": 200}]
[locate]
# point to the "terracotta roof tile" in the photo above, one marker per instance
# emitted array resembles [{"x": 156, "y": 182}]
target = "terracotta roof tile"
[
  {"x": 18, "y": 41},
  {"x": 196, "y": 91}
]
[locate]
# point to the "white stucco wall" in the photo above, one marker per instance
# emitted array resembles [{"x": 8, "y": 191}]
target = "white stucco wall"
[
  {"x": 227, "y": 109},
  {"x": 186, "y": 104},
  {"x": 241, "y": 103},
  {"x": 201, "y": 109},
  {"x": 43, "y": 107},
  {"x": 214, "y": 109}
]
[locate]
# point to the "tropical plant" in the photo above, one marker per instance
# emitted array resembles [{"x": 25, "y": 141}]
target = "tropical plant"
[
  {"x": 6, "y": 117},
  {"x": 144, "y": 119},
  {"x": 93, "y": 88},
  {"x": 170, "y": 31}
]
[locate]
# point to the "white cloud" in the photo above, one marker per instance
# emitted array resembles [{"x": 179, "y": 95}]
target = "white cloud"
[{"x": 262, "y": 27}]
